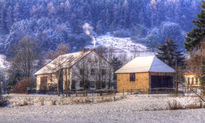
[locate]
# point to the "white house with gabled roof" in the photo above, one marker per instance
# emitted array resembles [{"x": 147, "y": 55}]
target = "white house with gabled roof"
[{"x": 79, "y": 70}]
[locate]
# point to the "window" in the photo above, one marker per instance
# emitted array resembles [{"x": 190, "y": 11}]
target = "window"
[
  {"x": 132, "y": 77},
  {"x": 103, "y": 71},
  {"x": 81, "y": 83},
  {"x": 92, "y": 72},
  {"x": 103, "y": 84},
  {"x": 92, "y": 84},
  {"x": 81, "y": 71},
  {"x": 73, "y": 85}
]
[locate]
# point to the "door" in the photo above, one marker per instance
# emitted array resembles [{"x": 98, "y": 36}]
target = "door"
[
  {"x": 161, "y": 82},
  {"x": 43, "y": 84}
]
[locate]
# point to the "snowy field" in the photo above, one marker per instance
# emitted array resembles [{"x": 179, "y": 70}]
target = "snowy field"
[
  {"x": 122, "y": 45},
  {"x": 143, "y": 108}
]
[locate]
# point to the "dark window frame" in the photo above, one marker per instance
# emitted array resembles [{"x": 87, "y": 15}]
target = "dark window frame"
[
  {"x": 103, "y": 71},
  {"x": 81, "y": 84},
  {"x": 92, "y": 72},
  {"x": 132, "y": 77},
  {"x": 92, "y": 84}
]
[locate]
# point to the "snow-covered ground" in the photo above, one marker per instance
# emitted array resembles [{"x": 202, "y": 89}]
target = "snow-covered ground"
[
  {"x": 3, "y": 62},
  {"x": 143, "y": 108},
  {"x": 122, "y": 45}
]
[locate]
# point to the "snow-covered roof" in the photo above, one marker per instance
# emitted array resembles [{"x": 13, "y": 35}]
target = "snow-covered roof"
[
  {"x": 146, "y": 64},
  {"x": 63, "y": 61}
]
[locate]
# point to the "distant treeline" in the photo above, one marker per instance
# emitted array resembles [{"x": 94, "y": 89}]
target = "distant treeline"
[{"x": 51, "y": 22}]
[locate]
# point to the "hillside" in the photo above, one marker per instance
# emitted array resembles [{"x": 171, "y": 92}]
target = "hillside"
[{"x": 52, "y": 22}]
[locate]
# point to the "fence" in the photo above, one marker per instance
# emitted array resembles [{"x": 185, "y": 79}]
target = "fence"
[
  {"x": 81, "y": 92},
  {"x": 152, "y": 91}
]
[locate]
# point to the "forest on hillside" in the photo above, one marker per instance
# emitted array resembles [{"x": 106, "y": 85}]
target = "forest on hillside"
[{"x": 53, "y": 22}]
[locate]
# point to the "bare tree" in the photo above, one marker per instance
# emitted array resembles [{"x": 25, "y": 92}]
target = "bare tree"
[
  {"x": 61, "y": 49},
  {"x": 58, "y": 68},
  {"x": 24, "y": 61},
  {"x": 82, "y": 72},
  {"x": 135, "y": 51}
]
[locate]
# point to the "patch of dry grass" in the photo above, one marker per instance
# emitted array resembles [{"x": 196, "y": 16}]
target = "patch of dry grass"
[{"x": 174, "y": 105}]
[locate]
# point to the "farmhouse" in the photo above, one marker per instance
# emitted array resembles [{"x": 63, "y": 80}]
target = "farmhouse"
[
  {"x": 75, "y": 71},
  {"x": 144, "y": 73}
]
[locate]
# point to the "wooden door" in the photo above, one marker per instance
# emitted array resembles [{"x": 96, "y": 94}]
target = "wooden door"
[{"x": 43, "y": 85}]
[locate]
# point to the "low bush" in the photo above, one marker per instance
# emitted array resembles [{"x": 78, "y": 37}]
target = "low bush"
[
  {"x": 52, "y": 87},
  {"x": 23, "y": 85},
  {"x": 174, "y": 105},
  {"x": 42, "y": 101},
  {"x": 3, "y": 102}
]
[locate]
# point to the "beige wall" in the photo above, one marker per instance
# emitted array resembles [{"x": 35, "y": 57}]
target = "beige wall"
[
  {"x": 142, "y": 81},
  {"x": 51, "y": 79},
  {"x": 124, "y": 83}
]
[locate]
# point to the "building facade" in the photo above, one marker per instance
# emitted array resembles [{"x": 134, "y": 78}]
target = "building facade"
[
  {"x": 76, "y": 71},
  {"x": 144, "y": 73}
]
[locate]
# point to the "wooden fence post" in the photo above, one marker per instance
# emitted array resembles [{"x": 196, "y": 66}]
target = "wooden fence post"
[{"x": 76, "y": 93}]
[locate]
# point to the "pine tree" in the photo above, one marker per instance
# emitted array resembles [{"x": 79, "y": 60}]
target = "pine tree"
[
  {"x": 194, "y": 37},
  {"x": 170, "y": 54}
]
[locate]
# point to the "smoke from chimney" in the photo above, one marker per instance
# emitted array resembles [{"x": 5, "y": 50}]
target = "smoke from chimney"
[{"x": 88, "y": 29}]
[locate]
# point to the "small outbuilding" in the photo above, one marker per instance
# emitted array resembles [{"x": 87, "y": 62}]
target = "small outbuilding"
[
  {"x": 192, "y": 80},
  {"x": 144, "y": 73}
]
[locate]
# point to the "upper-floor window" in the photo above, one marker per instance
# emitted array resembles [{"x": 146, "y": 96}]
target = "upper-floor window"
[
  {"x": 81, "y": 71},
  {"x": 103, "y": 71},
  {"x": 132, "y": 77},
  {"x": 92, "y": 72}
]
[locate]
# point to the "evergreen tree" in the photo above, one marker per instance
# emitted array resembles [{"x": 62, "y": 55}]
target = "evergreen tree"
[
  {"x": 170, "y": 54},
  {"x": 194, "y": 37}
]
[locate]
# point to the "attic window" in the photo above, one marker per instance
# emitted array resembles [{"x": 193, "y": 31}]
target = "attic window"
[{"x": 132, "y": 77}]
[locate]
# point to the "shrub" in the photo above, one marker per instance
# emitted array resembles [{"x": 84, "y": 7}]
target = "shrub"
[
  {"x": 53, "y": 102},
  {"x": 174, "y": 105},
  {"x": 42, "y": 101},
  {"x": 52, "y": 87},
  {"x": 21, "y": 86},
  {"x": 3, "y": 101}
]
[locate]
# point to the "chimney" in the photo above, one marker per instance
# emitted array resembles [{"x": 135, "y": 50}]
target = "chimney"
[{"x": 83, "y": 50}]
